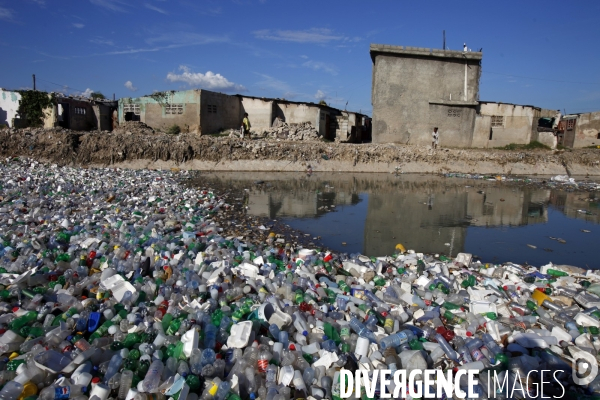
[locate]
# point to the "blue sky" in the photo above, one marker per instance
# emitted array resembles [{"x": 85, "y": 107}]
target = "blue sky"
[{"x": 543, "y": 53}]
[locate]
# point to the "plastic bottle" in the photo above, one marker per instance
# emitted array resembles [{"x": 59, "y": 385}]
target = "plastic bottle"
[{"x": 152, "y": 379}]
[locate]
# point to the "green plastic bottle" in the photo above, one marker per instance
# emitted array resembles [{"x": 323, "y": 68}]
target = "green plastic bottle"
[
  {"x": 173, "y": 327},
  {"x": 20, "y": 322},
  {"x": 555, "y": 272}
]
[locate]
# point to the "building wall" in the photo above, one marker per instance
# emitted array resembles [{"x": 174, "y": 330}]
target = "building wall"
[
  {"x": 587, "y": 130},
  {"x": 518, "y": 124},
  {"x": 228, "y": 113},
  {"x": 455, "y": 125},
  {"x": 9, "y": 104},
  {"x": 162, "y": 112},
  {"x": 103, "y": 116},
  {"x": 260, "y": 111},
  {"x": 547, "y": 138},
  {"x": 406, "y": 81},
  {"x": 298, "y": 113}
]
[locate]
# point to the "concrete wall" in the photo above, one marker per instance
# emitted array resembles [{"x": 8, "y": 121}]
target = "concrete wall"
[
  {"x": 297, "y": 113},
  {"x": 518, "y": 125},
  {"x": 587, "y": 130},
  {"x": 455, "y": 130},
  {"x": 547, "y": 138},
  {"x": 407, "y": 80},
  {"x": 228, "y": 115},
  {"x": 157, "y": 111},
  {"x": 9, "y": 104},
  {"x": 261, "y": 113}
]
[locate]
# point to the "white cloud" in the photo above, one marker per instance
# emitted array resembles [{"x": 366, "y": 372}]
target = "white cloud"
[
  {"x": 318, "y": 66},
  {"x": 154, "y": 8},
  {"x": 209, "y": 80},
  {"x": 313, "y": 35},
  {"x": 112, "y": 5},
  {"x": 88, "y": 92},
  {"x": 78, "y": 25},
  {"x": 129, "y": 85},
  {"x": 320, "y": 95},
  {"x": 5, "y": 13}
]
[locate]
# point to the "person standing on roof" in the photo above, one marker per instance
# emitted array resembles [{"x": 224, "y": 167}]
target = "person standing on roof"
[
  {"x": 435, "y": 137},
  {"x": 245, "y": 126}
]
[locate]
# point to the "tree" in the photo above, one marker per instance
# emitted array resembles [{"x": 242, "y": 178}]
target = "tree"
[
  {"x": 97, "y": 96},
  {"x": 323, "y": 103}
]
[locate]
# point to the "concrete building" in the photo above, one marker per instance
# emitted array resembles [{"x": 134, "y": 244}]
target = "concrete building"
[
  {"x": 192, "y": 110},
  {"x": 417, "y": 89},
  {"x": 499, "y": 124},
  {"x": 206, "y": 112},
  {"x": 579, "y": 130},
  {"x": 81, "y": 114}
]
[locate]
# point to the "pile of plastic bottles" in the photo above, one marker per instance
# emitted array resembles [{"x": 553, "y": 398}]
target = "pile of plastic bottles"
[{"x": 119, "y": 284}]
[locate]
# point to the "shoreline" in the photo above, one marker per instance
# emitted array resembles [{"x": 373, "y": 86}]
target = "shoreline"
[{"x": 211, "y": 153}]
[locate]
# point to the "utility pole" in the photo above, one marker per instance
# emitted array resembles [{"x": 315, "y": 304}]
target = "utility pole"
[
  {"x": 33, "y": 81},
  {"x": 444, "y": 39}
]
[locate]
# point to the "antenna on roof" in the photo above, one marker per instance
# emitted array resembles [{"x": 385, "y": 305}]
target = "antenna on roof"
[{"x": 444, "y": 39}]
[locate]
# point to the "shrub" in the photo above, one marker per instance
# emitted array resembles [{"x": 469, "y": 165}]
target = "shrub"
[{"x": 174, "y": 130}]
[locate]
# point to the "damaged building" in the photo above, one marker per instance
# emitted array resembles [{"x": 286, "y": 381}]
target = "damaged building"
[
  {"x": 499, "y": 124},
  {"x": 69, "y": 112},
  {"x": 84, "y": 114},
  {"x": 415, "y": 89},
  {"x": 205, "y": 112},
  {"x": 579, "y": 130}
]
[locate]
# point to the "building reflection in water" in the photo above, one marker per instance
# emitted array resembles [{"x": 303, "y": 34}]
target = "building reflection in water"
[{"x": 424, "y": 212}]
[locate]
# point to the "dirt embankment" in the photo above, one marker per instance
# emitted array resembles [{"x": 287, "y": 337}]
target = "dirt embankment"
[{"x": 144, "y": 148}]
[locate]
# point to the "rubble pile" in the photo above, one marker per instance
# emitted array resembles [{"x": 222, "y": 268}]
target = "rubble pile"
[
  {"x": 294, "y": 132},
  {"x": 134, "y": 128}
]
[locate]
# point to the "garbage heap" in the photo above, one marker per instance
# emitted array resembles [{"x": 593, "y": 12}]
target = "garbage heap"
[
  {"x": 119, "y": 284},
  {"x": 283, "y": 130},
  {"x": 133, "y": 128}
]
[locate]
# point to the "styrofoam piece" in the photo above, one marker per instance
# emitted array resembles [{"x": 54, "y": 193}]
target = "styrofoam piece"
[
  {"x": 327, "y": 358},
  {"x": 190, "y": 341},
  {"x": 464, "y": 258},
  {"x": 248, "y": 270},
  {"x": 118, "y": 286},
  {"x": 483, "y": 307},
  {"x": 240, "y": 335},
  {"x": 585, "y": 320},
  {"x": 422, "y": 281}
]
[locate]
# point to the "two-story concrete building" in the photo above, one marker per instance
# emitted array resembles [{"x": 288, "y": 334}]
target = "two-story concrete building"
[{"x": 416, "y": 89}]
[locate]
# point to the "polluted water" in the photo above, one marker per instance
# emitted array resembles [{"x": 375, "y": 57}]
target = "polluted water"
[{"x": 120, "y": 284}]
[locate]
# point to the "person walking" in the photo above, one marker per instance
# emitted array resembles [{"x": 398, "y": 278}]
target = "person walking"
[
  {"x": 245, "y": 126},
  {"x": 435, "y": 136}
]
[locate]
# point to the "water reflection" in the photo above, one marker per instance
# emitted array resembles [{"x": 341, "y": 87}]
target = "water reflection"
[{"x": 427, "y": 213}]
